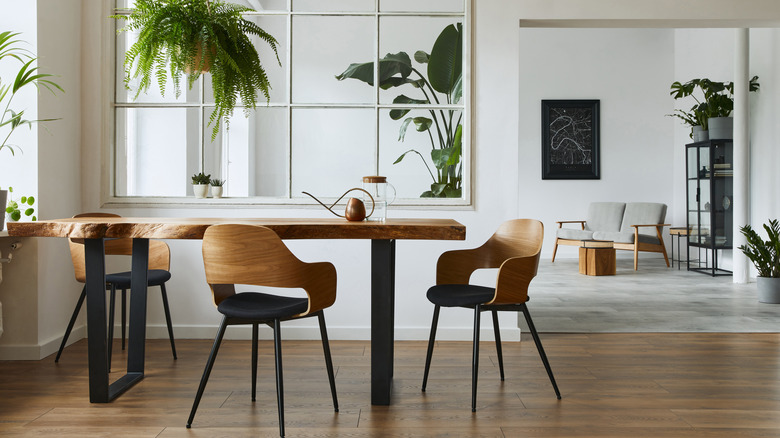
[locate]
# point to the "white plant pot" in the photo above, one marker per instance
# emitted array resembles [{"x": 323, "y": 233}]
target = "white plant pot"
[
  {"x": 720, "y": 128},
  {"x": 699, "y": 134},
  {"x": 216, "y": 191},
  {"x": 200, "y": 190},
  {"x": 768, "y": 290}
]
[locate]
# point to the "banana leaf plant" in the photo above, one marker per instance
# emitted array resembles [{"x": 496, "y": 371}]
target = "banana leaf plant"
[
  {"x": 10, "y": 120},
  {"x": 443, "y": 126}
]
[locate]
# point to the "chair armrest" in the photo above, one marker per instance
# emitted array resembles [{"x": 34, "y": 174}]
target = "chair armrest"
[
  {"x": 651, "y": 225},
  {"x": 560, "y": 223},
  {"x": 514, "y": 276}
]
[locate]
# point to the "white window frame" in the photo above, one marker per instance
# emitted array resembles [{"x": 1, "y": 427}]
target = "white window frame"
[{"x": 466, "y": 201}]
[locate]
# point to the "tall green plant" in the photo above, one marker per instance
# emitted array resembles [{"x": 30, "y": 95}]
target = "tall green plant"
[
  {"x": 444, "y": 129},
  {"x": 10, "y": 119},
  {"x": 184, "y": 36},
  {"x": 765, "y": 255}
]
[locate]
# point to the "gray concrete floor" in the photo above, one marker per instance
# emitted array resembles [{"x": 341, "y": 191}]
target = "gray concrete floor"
[{"x": 653, "y": 299}]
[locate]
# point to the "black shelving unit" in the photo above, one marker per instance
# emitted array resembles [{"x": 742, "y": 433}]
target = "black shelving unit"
[{"x": 710, "y": 191}]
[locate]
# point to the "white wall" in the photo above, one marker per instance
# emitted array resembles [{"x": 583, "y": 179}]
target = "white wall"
[{"x": 514, "y": 69}]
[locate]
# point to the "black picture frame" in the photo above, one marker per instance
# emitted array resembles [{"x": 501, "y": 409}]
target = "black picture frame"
[{"x": 570, "y": 139}]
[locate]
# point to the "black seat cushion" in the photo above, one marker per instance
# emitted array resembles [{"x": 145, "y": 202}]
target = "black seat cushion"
[
  {"x": 261, "y": 307},
  {"x": 460, "y": 295},
  {"x": 122, "y": 279}
]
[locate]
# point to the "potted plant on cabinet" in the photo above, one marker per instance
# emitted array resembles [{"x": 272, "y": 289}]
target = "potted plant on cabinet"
[
  {"x": 11, "y": 119},
  {"x": 765, "y": 256},
  {"x": 713, "y": 112},
  {"x": 191, "y": 36},
  {"x": 444, "y": 128},
  {"x": 216, "y": 187},
  {"x": 200, "y": 184}
]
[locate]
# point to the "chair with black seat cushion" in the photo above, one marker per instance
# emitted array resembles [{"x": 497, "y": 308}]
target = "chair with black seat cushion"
[
  {"x": 159, "y": 273},
  {"x": 255, "y": 256},
  {"x": 514, "y": 249}
]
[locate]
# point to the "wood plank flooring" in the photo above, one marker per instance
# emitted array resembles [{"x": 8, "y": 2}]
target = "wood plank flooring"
[{"x": 679, "y": 385}]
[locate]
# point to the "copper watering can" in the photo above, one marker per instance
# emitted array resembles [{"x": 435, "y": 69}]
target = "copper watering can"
[{"x": 355, "y": 211}]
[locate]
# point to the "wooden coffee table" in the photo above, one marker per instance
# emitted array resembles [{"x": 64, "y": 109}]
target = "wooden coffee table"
[{"x": 597, "y": 257}]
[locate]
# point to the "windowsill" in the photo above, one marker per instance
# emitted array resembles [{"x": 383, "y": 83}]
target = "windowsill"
[{"x": 268, "y": 202}]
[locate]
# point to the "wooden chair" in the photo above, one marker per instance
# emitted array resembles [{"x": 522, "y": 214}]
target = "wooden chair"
[
  {"x": 256, "y": 256},
  {"x": 159, "y": 273},
  {"x": 515, "y": 250}
]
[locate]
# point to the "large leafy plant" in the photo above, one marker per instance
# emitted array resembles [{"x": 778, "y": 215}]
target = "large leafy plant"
[
  {"x": 444, "y": 129},
  {"x": 10, "y": 120},
  {"x": 187, "y": 36},
  {"x": 765, "y": 255},
  {"x": 716, "y": 99}
]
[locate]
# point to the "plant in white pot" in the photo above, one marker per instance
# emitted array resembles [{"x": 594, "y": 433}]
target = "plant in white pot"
[
  {"x": 216, "y": 187},
  {"x": 765, "y": 255},
  {"x": 12, "y": 118},
  {"x": 200, "y": 184}
]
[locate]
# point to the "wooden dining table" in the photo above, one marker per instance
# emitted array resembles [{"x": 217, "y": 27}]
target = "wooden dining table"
[{"x": 95, "y": 230}]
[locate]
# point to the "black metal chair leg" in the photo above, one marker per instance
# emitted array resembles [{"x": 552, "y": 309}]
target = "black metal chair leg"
[
  {"x": 111, "y": 308},
  {"x": 539, "y": 347},
  {"x": 279, "y": 379},
  {"x": 72, "y": 322},
  {"x": 475, "y": 359},
  {"x": 498, "y": 344},
  {"x": 328, "y": 359},
  {"x": 254, "y": 360},
  {"x": 168, "y": 319},
  {"x": 207, "y": 371},
  {"x": 124, "y": 316},
  {"x": 431, "y": 341}
]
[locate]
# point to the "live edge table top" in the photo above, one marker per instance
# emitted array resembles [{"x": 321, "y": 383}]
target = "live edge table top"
[{"x": 193, "y": 228}]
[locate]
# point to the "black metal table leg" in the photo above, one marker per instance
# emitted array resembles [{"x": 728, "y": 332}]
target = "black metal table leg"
[
  {"x": 100, "y": 391},
  {"x": 96, "y": 320},
  {"x": 382, "y": 319}
]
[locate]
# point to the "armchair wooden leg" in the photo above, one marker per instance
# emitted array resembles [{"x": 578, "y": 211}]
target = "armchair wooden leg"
[
  {"x": 555, "y": 250},
  {"x": 431, "y": 341},
  {"x": 636, "y": 257}
]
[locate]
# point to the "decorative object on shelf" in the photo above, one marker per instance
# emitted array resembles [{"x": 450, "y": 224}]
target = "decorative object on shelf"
[
  {"x": 570, "y": 139},
  {"x": 445, "y": 65},
  {"x": 185, "y": 36},
  {"x": 704, "y": 173},
  {"x": 10, "y": 120},
  {"x": 377, "y": 186},
  {"x": 216, "y": 187},
  {"x": 717, "y": 102},
  {"x": 200, "y": 184},
  {"x": 726, "y": 202},
  {"x": 706, "y": 206},
  {"x": 355, "y": 211},
  {"x": 14, "y": 210},
  {"x": 765, "y": 256}
]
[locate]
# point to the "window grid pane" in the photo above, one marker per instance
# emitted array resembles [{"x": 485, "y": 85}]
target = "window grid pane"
[{"x": 343, "y": 127}]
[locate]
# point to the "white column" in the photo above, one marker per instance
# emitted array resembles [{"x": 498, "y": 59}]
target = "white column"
[{"x": 741, "y": 208}]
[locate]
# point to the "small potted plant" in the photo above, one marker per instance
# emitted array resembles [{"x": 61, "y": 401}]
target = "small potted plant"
[
  {"x": 200, "y": 184},
  {"x": 177, "y": 37},
  {"x": 765, "y": 256},
  {"x": 14, "y": 210},
  {"x": 216, "y": 187}
]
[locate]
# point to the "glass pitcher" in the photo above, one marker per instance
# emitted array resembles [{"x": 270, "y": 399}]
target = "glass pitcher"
[{"x": 377, "y": 187}]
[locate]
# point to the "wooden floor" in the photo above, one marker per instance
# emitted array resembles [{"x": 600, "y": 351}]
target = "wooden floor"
[{"x": 613, "y": 385}]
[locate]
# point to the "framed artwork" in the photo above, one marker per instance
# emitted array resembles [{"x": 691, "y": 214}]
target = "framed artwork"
[{"x": 570, "y": 139}]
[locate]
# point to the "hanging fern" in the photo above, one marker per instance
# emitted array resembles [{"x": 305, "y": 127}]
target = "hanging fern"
[{"x": 172, "y": 33}]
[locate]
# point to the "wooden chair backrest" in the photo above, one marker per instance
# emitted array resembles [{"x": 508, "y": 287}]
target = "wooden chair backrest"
[
  {"x": 159, "y": 251},
  {"x": 255, "y": 255},
  {"x": 514, "y": 248}
]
